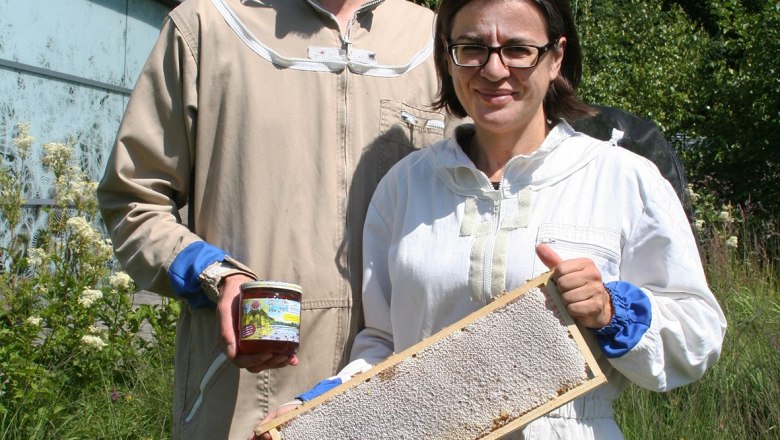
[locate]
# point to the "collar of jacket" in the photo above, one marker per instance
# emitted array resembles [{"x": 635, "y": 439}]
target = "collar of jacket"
[
  {"x": 356, "y": 59},
  {"x": 563, "y": 152}
]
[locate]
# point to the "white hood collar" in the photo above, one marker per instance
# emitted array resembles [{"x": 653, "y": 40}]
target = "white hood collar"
[{"x": 551, "y": 162}]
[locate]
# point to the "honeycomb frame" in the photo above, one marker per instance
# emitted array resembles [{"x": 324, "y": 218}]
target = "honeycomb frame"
[{"x": 387, "y": 402}]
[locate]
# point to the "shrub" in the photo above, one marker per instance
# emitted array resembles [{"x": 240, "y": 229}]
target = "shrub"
[{"x": 69, "y": 329}]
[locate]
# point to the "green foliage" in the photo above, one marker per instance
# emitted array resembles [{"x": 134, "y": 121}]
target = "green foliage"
[
  {"x": 707, "y": 73},
  {"x": 737, "y": 152},
  {"x": 430, "y": 4},
  {"x": 641, "y": 58},
  {"x": 67, "y": 322}
]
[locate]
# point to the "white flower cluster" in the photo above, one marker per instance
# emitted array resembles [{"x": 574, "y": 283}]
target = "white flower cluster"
[
  {"x": 36, "y": 257},
  {"x": 121, "y": 281},
  {"x": 732, "y": 242},
  {"x": 93, "y": 341},
  {"x": 34, "y": 321},
  {"x": 75, "y": 189},
  {"x": 23, "y": 141},
  {"x": 56, "y": 155},
  {"x": 81, "y": 227},
  {"x": 89, "y": 296},
  {"x": 87, "y": 235},
  {"x": 692, "y": 194},
  {"x": 103, "y": 249}
]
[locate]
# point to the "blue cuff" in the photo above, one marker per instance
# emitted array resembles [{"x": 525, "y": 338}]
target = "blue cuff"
[
  {"x": 321, "y": 388},
  {"x": 186, "y": 268},
  {"x": 630, "y": 321}
]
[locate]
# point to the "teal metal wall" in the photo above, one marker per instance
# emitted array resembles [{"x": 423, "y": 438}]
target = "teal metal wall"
[{"x": 67, "y": 67}]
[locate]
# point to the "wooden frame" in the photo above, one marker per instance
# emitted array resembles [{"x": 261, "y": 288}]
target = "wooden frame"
[{"x": 593, "y": 377}]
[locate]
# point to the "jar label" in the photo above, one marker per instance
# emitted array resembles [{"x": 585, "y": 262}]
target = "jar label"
[{"x": 270, "y": 319}]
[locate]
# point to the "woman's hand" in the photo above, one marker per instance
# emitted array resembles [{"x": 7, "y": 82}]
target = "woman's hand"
[
  {"x": 287, "y": 407},
  {"x": 581, "y": 288}
]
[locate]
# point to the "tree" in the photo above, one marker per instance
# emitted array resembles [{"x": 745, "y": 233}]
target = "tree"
[
  {"x": 707, "y": 73},
  {"x": 641, "y": 58},
  {"x": 738, "y": 147}
]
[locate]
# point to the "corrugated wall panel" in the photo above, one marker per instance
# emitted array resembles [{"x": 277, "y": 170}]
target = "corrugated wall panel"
[{"x": 66, "y": 67}]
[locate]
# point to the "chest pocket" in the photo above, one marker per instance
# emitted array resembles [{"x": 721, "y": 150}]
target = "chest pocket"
[
  {"x": 403, "y": 129},
  {"x": 602, "y": 245}
]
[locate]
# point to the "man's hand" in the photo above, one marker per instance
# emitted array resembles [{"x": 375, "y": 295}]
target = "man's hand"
[
  {"x": 227, "y": 316},
  {"x": 580, "y": 286}
]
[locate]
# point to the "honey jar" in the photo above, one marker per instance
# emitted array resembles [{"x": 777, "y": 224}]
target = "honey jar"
[{"x": 269, "y": 317}]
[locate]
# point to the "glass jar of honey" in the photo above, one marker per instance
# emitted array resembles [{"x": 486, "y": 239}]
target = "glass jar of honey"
[{"x": 269, "y": 317}]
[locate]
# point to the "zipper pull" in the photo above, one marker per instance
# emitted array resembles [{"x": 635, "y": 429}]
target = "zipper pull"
[{"x": 408, "y": 118}]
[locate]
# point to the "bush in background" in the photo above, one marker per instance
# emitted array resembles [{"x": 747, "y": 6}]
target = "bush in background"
[
  {"x": 708, "y": 74},
  {"x": 73, "y": 348}
]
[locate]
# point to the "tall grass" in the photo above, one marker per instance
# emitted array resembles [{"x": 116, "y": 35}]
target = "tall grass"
[
  {"x": 128, "y": 401},
  {"x": 739, "y": 398},
  {"x": 140, "y": 409}
]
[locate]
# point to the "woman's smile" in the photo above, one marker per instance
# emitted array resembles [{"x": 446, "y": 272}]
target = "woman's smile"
[{"x": 496, "y": 96}]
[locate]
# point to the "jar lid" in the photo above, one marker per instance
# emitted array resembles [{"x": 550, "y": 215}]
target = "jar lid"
[{"x": 270, "y": 284}]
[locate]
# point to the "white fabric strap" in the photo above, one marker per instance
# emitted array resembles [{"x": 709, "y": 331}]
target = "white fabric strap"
[
  {"x": 320, "y": 59},
  {"x": 215, "y": 364}
]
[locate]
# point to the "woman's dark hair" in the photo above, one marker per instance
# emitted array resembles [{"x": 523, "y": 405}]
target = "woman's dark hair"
[{"x": 561, "y": 100}]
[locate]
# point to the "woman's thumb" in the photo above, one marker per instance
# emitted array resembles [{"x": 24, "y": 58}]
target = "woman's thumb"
[{"x": 548, "y": 256}]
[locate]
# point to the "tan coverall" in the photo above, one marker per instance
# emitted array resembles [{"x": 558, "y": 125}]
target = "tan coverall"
[{"x": 271, "y": 127}]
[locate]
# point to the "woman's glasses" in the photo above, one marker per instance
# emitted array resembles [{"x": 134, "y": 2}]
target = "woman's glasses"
[{"x": 521, "y": 56}]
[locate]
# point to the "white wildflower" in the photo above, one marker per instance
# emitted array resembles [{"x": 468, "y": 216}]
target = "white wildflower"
[
  {"x": 724, "y": 216},
  {"x": 732, "y": 242},
  {"x": 78, "y": 224},
  {"x": 699, "y": 224},
  {"x": 93, "y": 341},
  {"x": 23, "y": 141},
  {"x": 76, "y": 190},
  {"x": 89, "y": 296},
  {"x": 103, "y": 250},
  {"x": 56, "y": 155},
  {"x": 121, "y": 281},
  {"x": 34, "y": 321},
  {"x": 692, "y": 194},
  {"x": 35, "y": 257},
  {"x": 84, "y": 231},
  {"x": 95, "y": 330}
]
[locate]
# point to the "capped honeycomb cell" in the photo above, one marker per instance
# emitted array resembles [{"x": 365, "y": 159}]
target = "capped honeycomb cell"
[{"x": 488, "y": 374}]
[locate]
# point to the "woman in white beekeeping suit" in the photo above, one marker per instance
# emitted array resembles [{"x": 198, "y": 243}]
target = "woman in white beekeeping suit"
[{"x": 519, "y": 192}]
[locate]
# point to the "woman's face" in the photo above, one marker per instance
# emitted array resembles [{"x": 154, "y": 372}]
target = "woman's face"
[{"x": 500, "y": 99}]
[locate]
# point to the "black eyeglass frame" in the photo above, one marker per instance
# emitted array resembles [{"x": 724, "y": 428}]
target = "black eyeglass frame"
[{"x": 541, "y": 50}]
